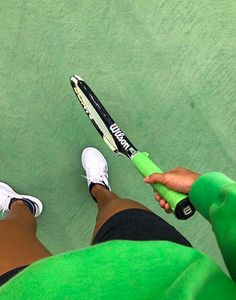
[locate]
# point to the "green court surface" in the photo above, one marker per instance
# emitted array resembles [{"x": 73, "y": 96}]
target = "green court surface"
[{"x": 166, "y": 72}]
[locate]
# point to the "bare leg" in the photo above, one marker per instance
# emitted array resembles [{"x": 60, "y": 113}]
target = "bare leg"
[
  {"x": 110, "y": 204},
  {"x": 19, "y": 245}
]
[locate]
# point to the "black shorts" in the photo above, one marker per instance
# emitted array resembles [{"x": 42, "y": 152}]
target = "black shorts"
[
  {"x": 7, "y": 276},
  {"x": 130, "y": 224},
  {"x": 138, "y": 225}
]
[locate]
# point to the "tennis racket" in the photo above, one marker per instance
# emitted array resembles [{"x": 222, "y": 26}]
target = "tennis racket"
[{"x": 120, "y": 144}]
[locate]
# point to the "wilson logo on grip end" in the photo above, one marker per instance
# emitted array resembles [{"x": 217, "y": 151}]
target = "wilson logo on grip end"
[{"x": 187, "y": 210}]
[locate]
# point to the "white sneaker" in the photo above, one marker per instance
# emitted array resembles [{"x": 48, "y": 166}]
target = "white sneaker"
[
  {"x": 7, "y": 196},
  {"x": 95, "y": 167}
]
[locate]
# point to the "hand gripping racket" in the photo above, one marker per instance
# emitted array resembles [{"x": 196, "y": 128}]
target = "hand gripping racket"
[{"x": 120, "y": 144}]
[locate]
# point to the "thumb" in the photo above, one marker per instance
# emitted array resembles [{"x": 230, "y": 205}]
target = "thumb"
[{"x": 154, "y": 178}]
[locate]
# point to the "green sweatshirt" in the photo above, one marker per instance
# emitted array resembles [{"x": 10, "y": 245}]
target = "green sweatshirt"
[{"x": 142, "y": 270}]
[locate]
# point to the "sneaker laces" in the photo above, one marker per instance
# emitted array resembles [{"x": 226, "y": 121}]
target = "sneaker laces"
[
  {"x": 97, "y": 174},
  {"x": 5, "y": 200}
]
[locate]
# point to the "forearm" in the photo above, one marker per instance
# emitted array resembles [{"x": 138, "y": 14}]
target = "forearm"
[{"x": 214, "y": 196}]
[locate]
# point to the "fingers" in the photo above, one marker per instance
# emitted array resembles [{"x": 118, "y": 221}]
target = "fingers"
[
  {"x": 167, "y": 208},
  {"x": 156, "y": 177},
  {"x": 163, "y": 203},
  {"x": 160, "y": 178},
  {"x": 158, "y": 197}
]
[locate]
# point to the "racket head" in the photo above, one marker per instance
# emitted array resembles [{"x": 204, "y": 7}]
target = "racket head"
[{"x": 103, "y": 122}]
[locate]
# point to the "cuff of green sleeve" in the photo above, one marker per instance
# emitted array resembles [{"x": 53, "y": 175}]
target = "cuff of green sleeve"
[{"x": 206, "y": 191}]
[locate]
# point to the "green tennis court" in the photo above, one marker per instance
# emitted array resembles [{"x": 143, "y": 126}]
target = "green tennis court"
[{"x": 166, "y": 72}]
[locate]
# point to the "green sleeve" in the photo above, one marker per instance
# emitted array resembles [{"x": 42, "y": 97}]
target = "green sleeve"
[{"x": 214, "y": 196}]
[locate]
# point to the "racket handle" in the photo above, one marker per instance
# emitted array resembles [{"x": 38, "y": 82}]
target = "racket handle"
[{"x": 179, "y": 203}]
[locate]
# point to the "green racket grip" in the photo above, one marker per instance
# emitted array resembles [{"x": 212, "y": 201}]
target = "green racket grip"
[{"x": 179, "y": 203}]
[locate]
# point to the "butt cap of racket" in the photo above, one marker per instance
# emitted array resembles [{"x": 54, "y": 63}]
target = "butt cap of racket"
[{"x": 184, "y": 209}]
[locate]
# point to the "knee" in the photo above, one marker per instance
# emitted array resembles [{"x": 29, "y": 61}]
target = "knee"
[
  {"x": 8, "y": 224},
  {"x": 116, "y": 206},
  {"x": 125, "y": 203},
  {"x": 133, "y": 204}
]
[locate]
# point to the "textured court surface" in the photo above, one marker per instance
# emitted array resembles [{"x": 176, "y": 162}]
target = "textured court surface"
[{"x": 166, "y": 72}]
